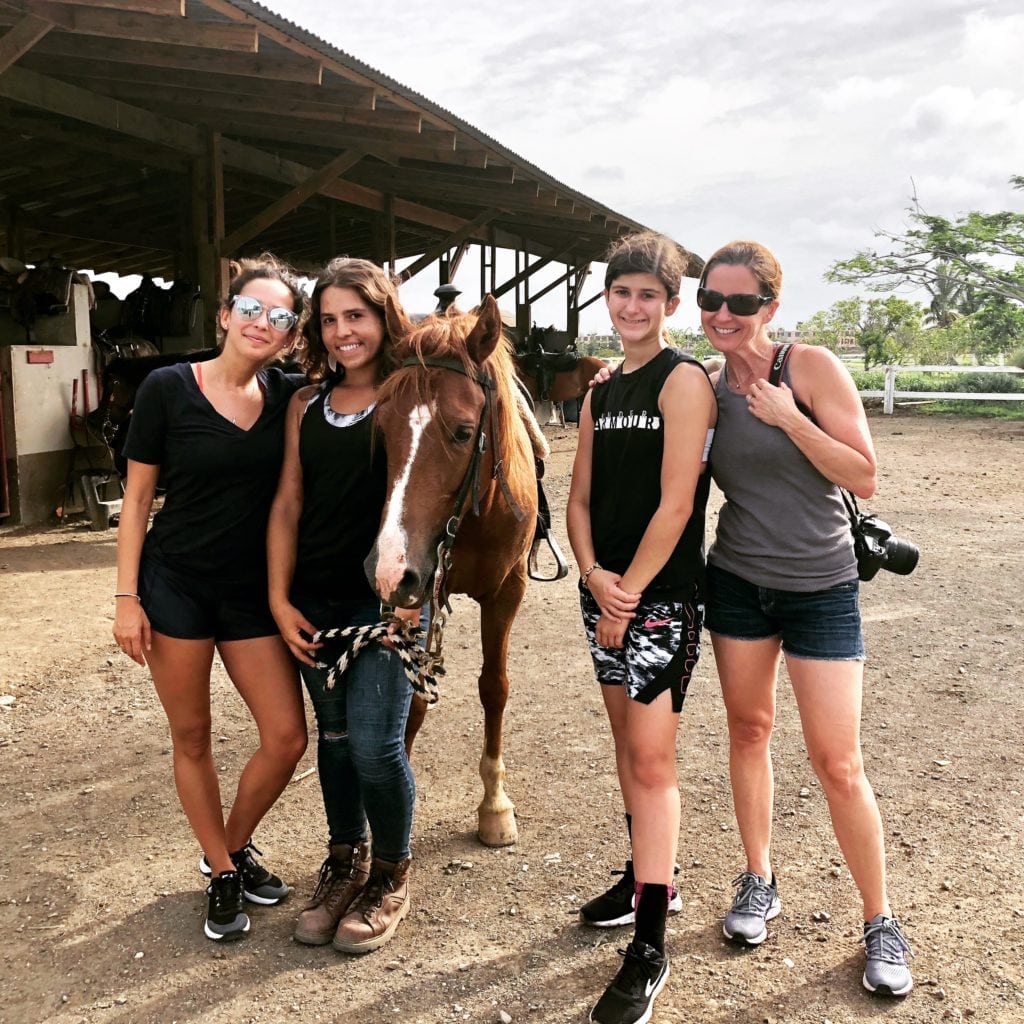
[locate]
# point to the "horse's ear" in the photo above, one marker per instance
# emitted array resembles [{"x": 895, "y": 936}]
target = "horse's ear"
[
  {"x": 486, "y": 333},
  {"x": 395, "y": 321}
]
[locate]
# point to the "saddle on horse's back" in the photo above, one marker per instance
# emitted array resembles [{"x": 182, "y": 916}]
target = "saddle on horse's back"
[{"x": 545, "y": 356}]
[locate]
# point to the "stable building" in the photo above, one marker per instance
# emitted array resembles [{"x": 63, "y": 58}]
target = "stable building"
[{"x": 163, "y": 138}]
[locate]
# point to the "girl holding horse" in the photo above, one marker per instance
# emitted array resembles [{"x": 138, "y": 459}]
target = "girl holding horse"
[
  {"x": 636, "y": 524},
  {"x": 782, "y": 581},
  {"x": 323, "y": 523},
  {"x": 212, "y": 434}
]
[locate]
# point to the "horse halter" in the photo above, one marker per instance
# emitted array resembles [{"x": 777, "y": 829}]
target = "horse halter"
[{"x": 440, "y": 606}]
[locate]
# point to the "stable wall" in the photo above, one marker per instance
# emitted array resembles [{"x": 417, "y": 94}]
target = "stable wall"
[{"x": 37, "y": 399}]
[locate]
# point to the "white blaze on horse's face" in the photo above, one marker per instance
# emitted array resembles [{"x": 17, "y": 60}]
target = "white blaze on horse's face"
[{"x": 392, "y": 540}]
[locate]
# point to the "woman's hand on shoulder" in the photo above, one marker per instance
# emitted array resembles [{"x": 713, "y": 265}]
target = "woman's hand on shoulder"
[{"x": 601, "y": 377}]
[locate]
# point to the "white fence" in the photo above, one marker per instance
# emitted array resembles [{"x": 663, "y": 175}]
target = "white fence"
[{"x": 890, "y": 394}]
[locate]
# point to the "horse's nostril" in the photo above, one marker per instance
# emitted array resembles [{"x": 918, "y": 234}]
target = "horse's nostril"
[{"x": 410, "y": 583}]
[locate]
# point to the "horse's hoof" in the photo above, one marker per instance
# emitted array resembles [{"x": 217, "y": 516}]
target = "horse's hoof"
[{"x": 498, "y": 829}]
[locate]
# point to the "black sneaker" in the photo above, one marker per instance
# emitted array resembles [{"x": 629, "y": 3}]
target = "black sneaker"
[
  {"x": 258, "y": 884},
  {"x": 225, "y": 919},
  {"x": 615, "y": 907},
  {"x": 629, "y": 999}
]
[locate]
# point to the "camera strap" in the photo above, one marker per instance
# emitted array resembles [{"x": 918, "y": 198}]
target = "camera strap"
[{"x": 780, "y": 356}]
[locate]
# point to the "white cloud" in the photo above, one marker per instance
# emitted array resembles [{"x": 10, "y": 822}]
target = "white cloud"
[{"x": 804, "y": 124}]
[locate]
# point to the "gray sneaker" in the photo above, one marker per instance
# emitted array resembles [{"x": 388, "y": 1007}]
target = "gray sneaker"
[
  {"x": 756, "y": 902},
  {"x": 886, "y": 971}
]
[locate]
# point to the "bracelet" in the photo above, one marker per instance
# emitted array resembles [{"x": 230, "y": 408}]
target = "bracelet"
[
  {"x": 585, "y": 575},
  {"x": 136, "y": 596}
]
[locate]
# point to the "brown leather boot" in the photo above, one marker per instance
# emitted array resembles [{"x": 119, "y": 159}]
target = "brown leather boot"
[
  {"x": 378, "y": 911},
  {"x": 342, "y": 877}
]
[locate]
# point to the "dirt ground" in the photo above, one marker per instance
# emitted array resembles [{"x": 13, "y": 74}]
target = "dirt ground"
[{"x": 101, "y": 905}]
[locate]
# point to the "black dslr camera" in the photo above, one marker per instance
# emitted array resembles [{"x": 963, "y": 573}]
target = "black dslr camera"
[{"x": 876, "y": 548}]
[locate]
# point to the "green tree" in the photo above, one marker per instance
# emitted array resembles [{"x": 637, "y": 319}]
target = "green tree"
[
  {"x": 884, "y": 329},
  {"x": 998, "y": 327},
  {"x": 694, "y": 342},
  {"x": 984, "y": 251}
]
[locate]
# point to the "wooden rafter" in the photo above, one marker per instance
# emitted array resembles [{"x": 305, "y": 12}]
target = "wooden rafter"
[
  {"x": 17, "y": 41},
  {"x": 468, "y": 230},
  {"x": 165, "y": 8},
  {"x": 278, "y": 68},
  {"x": 146, "y": 27},
  {"x": 528, "y": 271},
  {"x": 314, "y": 184}
]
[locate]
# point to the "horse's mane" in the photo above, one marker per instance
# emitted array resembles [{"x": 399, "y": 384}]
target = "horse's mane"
[{"x": 444, "y": 336}]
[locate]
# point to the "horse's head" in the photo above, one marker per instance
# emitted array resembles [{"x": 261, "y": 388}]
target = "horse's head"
[{"x": 430, "y": 414}]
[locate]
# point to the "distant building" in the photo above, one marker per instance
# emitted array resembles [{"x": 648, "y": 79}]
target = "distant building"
[{"x": 847, "y": 344}]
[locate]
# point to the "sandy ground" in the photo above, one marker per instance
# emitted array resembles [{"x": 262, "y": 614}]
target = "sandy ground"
[{"x": 101, "y": 906}]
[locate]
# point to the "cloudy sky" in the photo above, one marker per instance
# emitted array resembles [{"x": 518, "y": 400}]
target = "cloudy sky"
[{"x": 804, "y": 124}]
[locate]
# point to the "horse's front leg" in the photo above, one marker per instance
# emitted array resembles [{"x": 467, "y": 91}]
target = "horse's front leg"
[{"x": 496, "y": 815}]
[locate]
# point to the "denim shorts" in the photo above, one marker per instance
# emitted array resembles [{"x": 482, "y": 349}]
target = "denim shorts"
[
  {"x": 188, "y": 607},
  {"x": 820, "y": 625}
]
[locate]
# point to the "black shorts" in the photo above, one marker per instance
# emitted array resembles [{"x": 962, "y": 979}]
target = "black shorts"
[
  {"x": 189, "y": 607},
  {"x": 660, "y": 650}
]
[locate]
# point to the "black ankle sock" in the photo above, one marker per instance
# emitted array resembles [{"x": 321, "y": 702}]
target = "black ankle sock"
[{"x": 651, "y": 911}]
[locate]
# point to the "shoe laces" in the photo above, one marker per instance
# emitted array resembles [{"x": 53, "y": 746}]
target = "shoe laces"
[
  {"x": 884, "y": 940},
  {"x": 753, "y": 896},
  {"x": 225, "y": 891},
  {"x": 624, "y": 884},
  {"x": 640, "y": 963},
  {"x": 247, "y": 864},
  {"x": 372, "y": 896}
]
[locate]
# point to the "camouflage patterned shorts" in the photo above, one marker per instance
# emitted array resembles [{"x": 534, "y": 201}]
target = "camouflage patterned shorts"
[{"x": 660, "y": 649}]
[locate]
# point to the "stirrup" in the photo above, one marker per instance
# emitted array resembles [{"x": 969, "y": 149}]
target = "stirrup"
[{"x": 532, "y": 567}]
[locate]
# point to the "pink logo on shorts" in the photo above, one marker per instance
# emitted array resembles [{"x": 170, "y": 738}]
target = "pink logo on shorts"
[{"x": 654, "y": 623}]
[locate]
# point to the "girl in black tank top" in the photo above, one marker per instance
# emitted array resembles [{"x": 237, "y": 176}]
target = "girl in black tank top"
[
  {"x": 636, "y": 524},
  {"x": 322, "y": 525}
]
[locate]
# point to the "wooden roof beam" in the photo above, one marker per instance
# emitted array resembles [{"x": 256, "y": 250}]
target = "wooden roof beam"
[
  {"x": 164, "y": 8},
  {"x": 313, "y": 185},
  {"x": 17, "y": 41},
  {"x": 347, "y": 97},
  {"x": 279, "y": 103},
  {"x": 467, "y": 231},
  {"x": 257, "y": 161},
  {"x": 530, "y": 270},
  {"x": 145, "y": 27},
  {"x": 56, "y": 97},
  {"x": 184, "y": 58}
]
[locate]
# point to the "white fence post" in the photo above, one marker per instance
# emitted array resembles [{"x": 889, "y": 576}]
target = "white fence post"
[{"x": 889, "y": 402}]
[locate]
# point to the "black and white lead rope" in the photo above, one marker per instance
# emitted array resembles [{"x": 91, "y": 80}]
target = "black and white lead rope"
[{"x": 421, "y": 668}]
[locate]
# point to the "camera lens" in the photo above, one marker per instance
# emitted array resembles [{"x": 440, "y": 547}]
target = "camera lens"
[{"x": 901, "y": 556}]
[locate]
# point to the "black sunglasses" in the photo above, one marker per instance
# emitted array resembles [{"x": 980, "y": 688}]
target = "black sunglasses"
[
  {"x": 278, "y": 317},
  {"x": 739, "y": 304}
]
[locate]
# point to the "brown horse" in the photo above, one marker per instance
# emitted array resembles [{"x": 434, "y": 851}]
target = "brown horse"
[
  {"x": 462, "y": 492},
  {"x": 566, "y": 384}
]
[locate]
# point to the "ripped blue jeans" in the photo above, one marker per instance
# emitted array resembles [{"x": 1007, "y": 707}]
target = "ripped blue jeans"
[{"x": 365, "y": 774}]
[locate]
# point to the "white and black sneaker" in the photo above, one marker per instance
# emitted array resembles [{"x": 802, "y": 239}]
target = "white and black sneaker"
[
  {"x": 225, "y": 919},
  {"x": 616, "y": 907},
  {"x": 258, "y": 884},
  {"x": 629, "y": 999}
]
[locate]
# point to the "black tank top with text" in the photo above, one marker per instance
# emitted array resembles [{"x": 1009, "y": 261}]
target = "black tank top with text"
[{"x": 625, "y": 483}]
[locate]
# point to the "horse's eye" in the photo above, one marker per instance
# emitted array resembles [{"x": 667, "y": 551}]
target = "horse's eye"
[{"x": 462, "y": 434}]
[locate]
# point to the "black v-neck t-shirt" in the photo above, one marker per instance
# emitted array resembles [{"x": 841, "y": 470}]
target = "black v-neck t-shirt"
[{"x": 219, "y": 479}]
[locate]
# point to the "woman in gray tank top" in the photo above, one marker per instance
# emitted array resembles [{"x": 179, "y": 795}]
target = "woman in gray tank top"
[{"x": 782, "y": 581}]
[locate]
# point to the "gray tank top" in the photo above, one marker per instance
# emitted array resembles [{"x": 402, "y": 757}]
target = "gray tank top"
[{"x": 783, "y": 525}]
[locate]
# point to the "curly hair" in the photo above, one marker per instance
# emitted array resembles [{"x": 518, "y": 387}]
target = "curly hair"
[
  {"x": 758, "y": 259},
  {"x": 647, "y": 252},
  {"x": 264, "y": 267},
  {"x": 374, "y": 286}
]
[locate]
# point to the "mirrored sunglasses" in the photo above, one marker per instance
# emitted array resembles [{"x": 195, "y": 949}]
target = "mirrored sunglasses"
[
  {"x": 739, "y": 304},
  {"x": 278, "y": 317}
]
